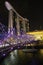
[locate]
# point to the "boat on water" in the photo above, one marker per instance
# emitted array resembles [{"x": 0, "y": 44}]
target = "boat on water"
[{"x": 30, "y": 50}]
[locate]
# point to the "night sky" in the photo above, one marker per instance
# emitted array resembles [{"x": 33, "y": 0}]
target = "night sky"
[{"x": 30, "y": 9}]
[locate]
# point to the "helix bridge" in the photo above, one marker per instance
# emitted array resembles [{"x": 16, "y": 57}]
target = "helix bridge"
[
  {"x": 7, "y": 38},
  {"x": 9, "y": 42}
]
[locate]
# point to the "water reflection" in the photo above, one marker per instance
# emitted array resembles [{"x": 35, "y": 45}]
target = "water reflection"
[
  {"x": 12, "y": 56},
  {"x": 18, "y": 57},
  {"x": 41, "y": 51}
]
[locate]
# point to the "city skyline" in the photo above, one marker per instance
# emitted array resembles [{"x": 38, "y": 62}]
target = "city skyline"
[{"x": 32, "y": 10}]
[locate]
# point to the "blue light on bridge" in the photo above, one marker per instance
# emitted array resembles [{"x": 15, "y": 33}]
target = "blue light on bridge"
[{"x": 8, "y": 37}]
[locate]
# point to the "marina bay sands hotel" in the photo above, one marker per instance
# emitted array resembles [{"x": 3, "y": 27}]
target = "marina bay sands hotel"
[{"x": 18, "y": 19}]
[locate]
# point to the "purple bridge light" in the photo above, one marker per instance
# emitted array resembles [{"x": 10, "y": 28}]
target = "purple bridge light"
[{"x": 22, "y": 38}]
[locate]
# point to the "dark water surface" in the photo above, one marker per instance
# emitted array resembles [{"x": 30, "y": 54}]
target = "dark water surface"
[{"x": 18, "y": 57}]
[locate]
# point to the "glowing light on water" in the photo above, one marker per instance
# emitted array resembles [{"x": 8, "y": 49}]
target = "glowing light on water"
[
  {"x": 12, "y": 56},
  {"x": 15, "y": 52},
  {"x": 41, "y": 51}
]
